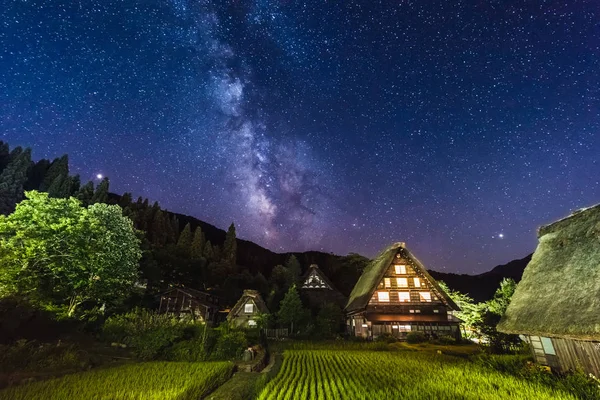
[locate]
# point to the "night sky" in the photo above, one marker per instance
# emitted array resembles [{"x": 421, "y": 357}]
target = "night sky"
[{"x": 458, "y": 127}]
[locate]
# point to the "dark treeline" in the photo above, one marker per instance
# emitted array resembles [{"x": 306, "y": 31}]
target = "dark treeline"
[{"x": 177, "y": 249}]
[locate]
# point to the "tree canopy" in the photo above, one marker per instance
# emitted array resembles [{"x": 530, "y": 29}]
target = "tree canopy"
[{"x": 58, "y": 253}]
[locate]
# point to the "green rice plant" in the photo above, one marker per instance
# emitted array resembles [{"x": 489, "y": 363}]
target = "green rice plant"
[
  {"x": 337, "y": 375},
  {"x": 144, "y": 381}
]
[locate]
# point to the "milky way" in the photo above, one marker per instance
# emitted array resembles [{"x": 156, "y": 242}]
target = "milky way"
[{"x": 457, "y": 127}]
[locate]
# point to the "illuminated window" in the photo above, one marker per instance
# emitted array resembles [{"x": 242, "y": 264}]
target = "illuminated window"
[
  {"x": 404, "y": 296},
  {"x": 417, "y": 282},
  {"x": 412, "y": 311},
  {"x": 383, "y": 296},
  {"x": 418, "y": 311},
  {"x": 404, "y": 328},
  {"x": 436, "y": 311},
  {"x": 387, "y": 282},
  {"x": 251, "y": 322},
  {"x": 400, "y": 269},
  {"x": 402, "y": 282},
  {"x": 249, "y": 308},
  {"x": 425, "y": 296}
]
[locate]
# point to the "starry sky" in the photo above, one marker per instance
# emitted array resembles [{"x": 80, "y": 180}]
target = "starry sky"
[{"x": 458, "y": 127}]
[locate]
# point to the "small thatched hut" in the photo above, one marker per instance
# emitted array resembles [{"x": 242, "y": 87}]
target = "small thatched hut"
[
  {"x": 556, "y": 306},
  {"x": 247, "y": 309},
  {"x": 396, "y": 295},
  {"x": 182, "y": 301}
]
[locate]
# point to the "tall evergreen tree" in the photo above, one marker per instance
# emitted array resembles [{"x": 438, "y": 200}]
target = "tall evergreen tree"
[
  {"x": 4, "y": 155},
  {"x": 159, "y": 223},
  {"x": 184, "y": 243},
  {"x": 197, "y": 248},
  {"x": 101, "y": 193},
  {"x": 290, "y": 309},
  {"x": 74, "y": 184},
  {"x": 12, "y": 180},
  {"x": 293, "y": 268},
  {"x": 230, "y": 246},
  {"x": 59, "y": 166},
  {"x": 59, "y": 187},
  {"x": 36, "y": 173},
  {"x": 208, "y": 251},
  {"x": 85, "y": 193}
]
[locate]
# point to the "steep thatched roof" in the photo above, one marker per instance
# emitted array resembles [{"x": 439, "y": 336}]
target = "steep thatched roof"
[
  {"x": 315, "y": 268},
  {"x": 252, "y": 295},
  {"x": 373, "y": 274},
  {"x": 559, "y": 294}
]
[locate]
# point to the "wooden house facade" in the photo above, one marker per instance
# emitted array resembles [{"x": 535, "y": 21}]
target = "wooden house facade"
[
  {"x": 316, "y": 289},
  {"x": 556, "y": 307},
  {"x": 396, "y": 295},
  {"x": 200, "y": 306},
  {"x": 249, "y": 307}
]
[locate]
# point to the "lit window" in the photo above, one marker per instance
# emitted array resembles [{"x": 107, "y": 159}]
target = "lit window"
[
  {"x": 404, "y": 296},
  {"x": 412, "y": 311},
  {"x": 400, "y": 269},
  {"x": 418, "y": 311},
  {"x": 402, "y": 282},
  {"x": 249, "y": 308},
  {"x": 387, "y": 282},
  {"x": 436, "y": 311},
  {"x": 405, "y": 328},
  {"x": 394, "y": 326},
  {"x": 251, "y": 322},
  {"x": 425, "y": 296},
  {"x": 383, "y": 296},
  {"x": 417, "y": 282}
]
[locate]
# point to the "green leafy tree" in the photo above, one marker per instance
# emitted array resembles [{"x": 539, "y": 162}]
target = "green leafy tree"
[
  {"x": 294, "y": 269},
  {"x": 197, "y": 248},
  {"x": 61, "y": 254},
  {"x": 101, "y": 193},
  {"x": 470, "y": 312},
  {"x": 12, "y": 180},
  {"x": 329, "y": 320},
  {"x": 492, "y": 312},
  {"x": 184, "y": 243},
  {"x": 291, "y": 311},
  {"x": 230, "y": 246},
  {"x": 60, "y": 166}
]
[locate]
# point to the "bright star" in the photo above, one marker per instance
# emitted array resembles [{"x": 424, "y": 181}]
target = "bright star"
[
  {"x": 99, "y": 176},
  {"x": 501, "y": 235}
]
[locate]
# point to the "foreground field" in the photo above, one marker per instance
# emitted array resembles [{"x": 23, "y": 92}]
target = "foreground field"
[
  {"x": 325, "y": 374},
  {"x": 147, "y": 381}
]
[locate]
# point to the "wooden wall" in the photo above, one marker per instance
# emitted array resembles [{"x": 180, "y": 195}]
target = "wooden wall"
[{"x": 574, "y": 354}]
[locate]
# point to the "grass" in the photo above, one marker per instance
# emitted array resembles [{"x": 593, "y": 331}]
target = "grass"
[
  {"x": 144, "y": 381},
  {"x": 334, "y": 374},
  {"x": 239, "y": 387}
]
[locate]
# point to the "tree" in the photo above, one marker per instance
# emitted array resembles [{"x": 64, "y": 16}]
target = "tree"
[
  {"x": 184, "y": 243},
  {"x": 470, "y": 312},
  {"x": 290, "y": 309},
  {"x": 4, "y": 155},
  {"x": 60, "y": 187},
  {"x": 59, "y": 253},
  {"x": 60, "y": 166},
  {"x": 101, "y": 193},
  {"x": 230, "y": 247},
  {"x": 491, "y": 313},
  {"x": 85, "y": 193},
  {"x": 294, "y": 269},
  {"x": 208, "y": 251},
  {"x": 329, "y": 319},
  {"x": 12, "y": 180},
  {"x": 197, "y": 248}
]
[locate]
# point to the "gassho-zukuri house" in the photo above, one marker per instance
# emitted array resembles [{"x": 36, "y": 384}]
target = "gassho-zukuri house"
[
  {"x": 556, "y": 306},
  {"x": 247, "y": 310},
  {"x": 396, "y": 295}
]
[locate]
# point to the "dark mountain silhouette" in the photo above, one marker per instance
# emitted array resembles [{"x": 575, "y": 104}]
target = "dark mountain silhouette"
[{"x": 482, "y": 287}]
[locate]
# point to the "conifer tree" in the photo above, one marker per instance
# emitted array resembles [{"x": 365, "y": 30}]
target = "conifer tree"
[
  {"x": 230, "y": 247},
  {"x": 57, "y": 188},
  {"x": 12, "y": 180},
  {"x": 59, "y": 166},
  {"x": 85, "y": 194},
  {"x": 197, "y": 248},
  {"x": 208, "y": 251},
  {"x": 159, "y": 223},
  {"x": 4, "y": 155},
  {"x": 290, "y": 309},
  {"x": 36, "y": 173},
  {"x": 74, "y": 185},
  {"x": 101, "y": 193},
  {"x": 184, "y": 243},
  {"x": 293, "y": 268}
]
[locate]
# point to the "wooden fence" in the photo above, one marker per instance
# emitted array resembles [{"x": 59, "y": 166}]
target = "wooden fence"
[{"x": 279, "y": 333}]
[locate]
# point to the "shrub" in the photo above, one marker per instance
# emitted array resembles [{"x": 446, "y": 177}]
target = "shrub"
[
  {"x": 416, "y": 337},
  {"x": 387, "y": 338},
  {"x": 230, "y": 345},
  {"x": 34, "y": 356}
]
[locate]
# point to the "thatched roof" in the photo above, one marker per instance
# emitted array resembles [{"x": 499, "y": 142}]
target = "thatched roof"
[
  {"x": 252, "y": 295},
  {"x": 373, "y": 274},
  {"x": 559, "y": 294},
  {"x": 314, "y": 268}
]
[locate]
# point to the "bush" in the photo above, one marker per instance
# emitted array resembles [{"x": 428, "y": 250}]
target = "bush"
[
  {"x": 230, "y": 346},
  {"x": 387, "y": 338},
  {"x": 416, "y": 337},
  {"x": 149, "y": 334},
  {"x": 34, "y": 356}
]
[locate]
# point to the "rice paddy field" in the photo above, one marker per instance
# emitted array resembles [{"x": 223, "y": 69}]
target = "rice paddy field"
[
  {"x": 334, "y": 374},
  {"x": 144, "y": 381}
]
